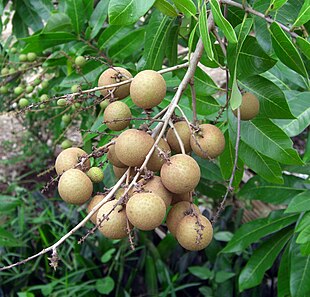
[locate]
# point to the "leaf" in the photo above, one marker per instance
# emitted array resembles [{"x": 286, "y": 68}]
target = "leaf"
[
  {"x": 203, "y": 273},
  {"x": 166, "y": 8},
  {"x": 223, "y": 276},
  {"x": 98, "y": 17},
  {"x": 187, "y": 7},
  {"x": 42, "y": 7},
  {"x": 285, "y": 50},
  {"x": 127, "y": 12},
  {"x": 304, "y": 236},
  {"x": 75, "y": 10},
  {"x": 300, "y": 203},
  {"x": 58, "y": 22},
  {"x": 105, "y": 285},
  {"x": 29, "y": 15},
  {"x": 8, "y": 203},
  {"x": 223, "y": 236},
  {"x": 253, "y": 231},
  {"x": 204, "y": 85},
  {"x": 204, "y": 32},
  {"x": 223, "y": 24},
  {"x": 283, "y": 286},
  {"x": 112, "y": 35},
  {"x": 151, "y": 276},
  {"x": 7, "y": 239},
  {"x": 305, "y": 249},
  {"x": 304, "y": 14},
  {"x": 262, "y": 259},
  {"x": 304, "y": 46},
  {"x": 276, "y": 4},
  {"x": 191, "y": 41},
  {"x": 107, "y": 256},
  {"x": 236, "y": 96},
  {"x": 172, "y": 45}
]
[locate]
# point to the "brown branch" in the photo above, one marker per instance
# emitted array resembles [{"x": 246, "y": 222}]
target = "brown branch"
[{"x": 194, "y": 105}]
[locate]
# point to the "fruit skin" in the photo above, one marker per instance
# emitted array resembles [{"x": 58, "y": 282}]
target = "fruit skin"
[
  {"x": 119, "y": 193},
  {"x": 36, "y": 82},
  {"x": 120, "y": 171},
  {"x": 66, "y": 144},
  {"x": 66, "y": 119},
  {"x": 116, "y": 226},
  {"x": 44, "y": 84},
  {"x": 43, "y": 98},
  {"x": 80, "y": 61},
  {"x": 22, "y": 58},
  {"x": 23, "y": 102},
  {"x": 110, "y": 76},
  {"x": 93, "y": 202},
  {"x": 116, "y": 111},
  {"x": 187, "y": 234},
  {"x": 18, "y": 90},
  {"x": 61, "y": 102},
  {"x": 31, "y": 57},
  {"x": 145, "y": 211},
  {"x": 185, "y": 135},
  {"x": 13, "y": 50},
  {"x": 95, "y": 174},
  {"x": 103, "y": 104},
  {"x": 75, "y": 88},
  {"x": 113, "y": 158},
  {"x": 148, "y": 89},
  {"x": 75, "y": 187},
  {"x": 181, "y": 174},
  {"x": 211, "y": 141},
  {"x": 177, "y": 213},
  {"x": 4, "y": 71},
  {"x": 132, "y": 146},
  {"x": 68, "y": 158},
  {"x": 156, "y": 162},
  {"x": 249, "y": 107},
  {"x": 29, "y": 89},
  {"x": 4, "y": 90},
  {"x": 180, "y": 197}
]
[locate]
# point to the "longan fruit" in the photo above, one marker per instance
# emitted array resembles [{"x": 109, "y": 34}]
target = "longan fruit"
[
  {"x": 93, "y": 202},
  {"x": 156, "y": 162},
  {"x": 119, "y": 172},
  {"x": 114, "y": 112},
  {"x": 95, "y": 174},
  {"x": 185, "y": 134},
  {"x": 249, "y": 107},
  {"x": 181, "y": 197},
  {"x": 113, "y": 158}
]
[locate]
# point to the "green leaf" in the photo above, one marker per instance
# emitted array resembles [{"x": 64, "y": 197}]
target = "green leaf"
[
  {"x": 305, "y": 249},
  {"x": 204, "y": 32},
  {"x": 191, "y": 40},
  {"x": 262, "y": 260},
  {"x": 151, "y": 276},
  {"x": 303, "y": 222},
  {"x": 286, "y": 51},
  {"x": 223, "y": 236},
  {"x": 283, "y": 286},
  {"x": 300, "y": 203},
  {"x": 75, "y": 10},
  {"x": 107, "y": 256},
  {"x": 236, "y": 96},
  {"x": 276, "y": 4},
  {"x": 304, "y": 14},
  {"x": 253, "y": 231},
  {"x": 58, "y": 22},
  {"x": 304, "y": 46},
  {"x": 98, "y": 17},
  {"x": 105, "y": 286},
  {"x": 304, "y": 236},
  {"x": 8, "y": 203},
  {"x": 172, "y": 45},
  {"x": 223, "y": 24},
  {"x": 29, "y": 15},
  {"x": 127, "y": 12},
  {"x": 20, "y": 29},
  {"x": 203, "y": 273},
  {"x": 7, "y": 239},
  {"x": 166, "y": 8},
  {"x": 223, "y": 276},
  {"x": 187, "y": 7},
  {"x": 204, "y": 84},
  {"x": 112, "y": 35}
]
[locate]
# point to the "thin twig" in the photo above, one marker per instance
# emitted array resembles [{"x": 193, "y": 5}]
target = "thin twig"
[
  {"x": 194, "y": 105},
  {"x": 181, "y": 144}
]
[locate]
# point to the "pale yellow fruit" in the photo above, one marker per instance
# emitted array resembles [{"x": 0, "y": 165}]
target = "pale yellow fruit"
[
  {"x": 185, "y": 134},
  {"x": 181, "y": 174},
  {"x": 68, "y": 158},
  {"x": 148, "y": 89},
  {"x": 177, "y": 213},
  {"x": 209, "y": 142},
  {"x": 180, "y": 197},
  {"x": 119, "y": 193},
  {"x": 116, "y": 226},
  {"x": 95, "y": 174},
  {"x": 92, "y": 204},
  {"x": 132, "y": 146},
  {"x": 249, "y": 107},
  {"x": 156, "y": 161},
  {"x": 113, "y": 158},
  {"x": 112, "y": 76},
  {"x": 117, "y": 116},
  {"x": 119, "y": 172},
  {"x": 75, "y": 187},
  {"x": 193, "y": 237},
  {"x": 145, "y": 211}
]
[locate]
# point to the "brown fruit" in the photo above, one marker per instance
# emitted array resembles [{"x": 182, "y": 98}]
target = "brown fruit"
[
  {"x": 249, "y": 107},
  {"x": 148, "y": 89},
  {"x": 209, "y": 142},
  {"x": 92, "y": 204},
  {"x": 120, "y": 171},
  {"x": 112, "y": 76},
  {"x": 145, "y": 211},
  {"x": 132, "y": 146},
  {"x": 193, "y": 237},
  {"x": 114, "y": 112},
  {"x": 177, "y": 213},
  {"x": 116, "y": 226},
  {"x": 75, "y": 187},
  {"x": 185, "y": 135},
  {"x": 180, "y": 197},
  {"x": 113, "y": 158},
  {"x": 156, "y": 161},
  {"x": 181, "y": 174},
  {"x": 68, "y": 158}
]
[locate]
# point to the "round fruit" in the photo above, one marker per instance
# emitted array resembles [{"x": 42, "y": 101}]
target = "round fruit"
[
  {"x": 209, "y": 142},
  {"x": 43, "y": 98},
  {"x": 4, "y": 71},
  {"x": 44, "y": 84},
  {"x": 185, "y": 135},
  {"x": 80, "y": 61},
  {"x": 22, "y": 58},
  {"x": 156, "y": 161},
  {"x": 13, "y": 50},
  {"x": 66, "y": 144},
  {"x": 23, "y": 102},
  {"x": 192, "y": 235},
  {"x": 181, "y": 174},
  {"x": 36, "y": 82},
  {"x": 118, "y": 112},
  {"x": 29, "y": 89},
  {"x": 119, "y": 172},
  {"x": 18, "y": 90},
  {"x": 116, "y": 226},
  {"x": 75, "y": 88},
  {"x": 181, "y": 197},
  {"x": 66, "y": 119},
  {"x": 12, "y": 71},
  {"x": 119, "y": 193},
  {"x": 103, "y": 104},
  {"x": 145, "y": 211},
  {"x": 69, "y": 158},
  {"x": 95, "y": 174},
  {"x": 61, "y": 102},
  {"x": 148, "y": 89},
  {"x": 113, "y": 158},
  {"x": 177, "y": 213},
  {"x": 42, "y": 106},
  {"x": 249, "y": 107},
  {"x": 92, "y": 204},
  {"x": 31, "y": 57},
  {"x": 75, "y": 187},
  {"x": 4, "y": 90},
  {"x": 113, "y": 76},
  {"x": 132, "y": 146}
]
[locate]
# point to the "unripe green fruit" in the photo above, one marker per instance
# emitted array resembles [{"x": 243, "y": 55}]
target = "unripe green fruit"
[
  {"x": 181, "y": 174},
  {"x": 114, "y": 112},
  {"x": 13, "y": 50},
  {"x": 66, "y": 119},
  {"x": 75, "y": 88},
  {"x": 119, "y": 193},
  {"x": 156, "y": 161},
  {"x": 185, "y": 134},
  {"x": 75, "y": 187},
  {"x": 42, "y": 106},
  {"x": 12, "y": 71},
  {"x": 29, "y": 89},
  {"x": 43, "y": 98},
  {"x": 80, "y": 61},
  {"x": 104, "y": 104},
  {"x": 209, "y": 142},
  {"x": 23, "y": 102},
  {"x": 18, "y": 90},
  {"x": 4, "y": 90},
  {"x": 44, "y": 84},
  {"x": 22, "y": 58},
  {"x": 249, "y": 107},
  {"x": 77, "y": 104},
  {"x": 112, "y": 76},
  {"x": 4, "y": 71},
  {"x": 93, "y": 202},
  {"x": 66, "y": 143},
  {"x": 61, "y": 102},
  {"x": 145, "y": 211},
  {"x": 148, "y": 89},
  {"x": 36, "y": 82},
  {"x": 31, "y": 57},
  {"x": 95, "y": 174}
]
